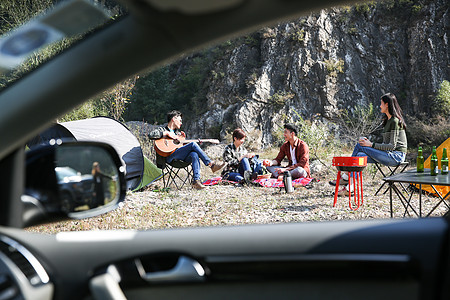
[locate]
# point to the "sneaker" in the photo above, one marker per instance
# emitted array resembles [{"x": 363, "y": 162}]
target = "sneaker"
[
  {"x": 197, "y": 184},
  {"x": 217, "y": 166},
  {"x": 343, "y": 192},
  {"x": 341, "y": 182}
]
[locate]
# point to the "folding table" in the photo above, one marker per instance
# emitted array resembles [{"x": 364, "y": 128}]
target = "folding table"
[{"x": 412, "y": 177}]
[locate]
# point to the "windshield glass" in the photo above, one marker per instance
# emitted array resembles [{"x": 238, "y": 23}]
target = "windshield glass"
[
  {"x": 303, "y": 121},
  {"x": 31, "y": 34}
]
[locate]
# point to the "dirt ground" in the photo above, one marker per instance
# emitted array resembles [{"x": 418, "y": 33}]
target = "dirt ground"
[{"x": 227, "y": 205}]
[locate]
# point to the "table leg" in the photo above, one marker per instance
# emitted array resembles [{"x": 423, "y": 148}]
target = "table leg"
[
  {"x": 403, "y": 200},
  {"x": 361, "y": 181},
  {"x": 420, "y": 200},
  {"x": 337, "y": 188},
  {"x": 442, "y": 199},
  {"x": 390, "y": 197}
]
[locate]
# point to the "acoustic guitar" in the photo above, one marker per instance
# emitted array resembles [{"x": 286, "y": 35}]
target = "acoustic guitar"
[{"x": 166, "y": 146}]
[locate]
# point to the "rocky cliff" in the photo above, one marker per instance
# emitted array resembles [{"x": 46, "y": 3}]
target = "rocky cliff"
[{"x": 334, "y": 59}]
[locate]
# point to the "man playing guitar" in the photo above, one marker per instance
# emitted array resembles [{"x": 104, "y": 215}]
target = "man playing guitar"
[{"x": 190, "y": 152}]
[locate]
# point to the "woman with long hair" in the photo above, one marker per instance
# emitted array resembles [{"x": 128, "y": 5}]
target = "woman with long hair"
[{"x": 392, "y": 151}]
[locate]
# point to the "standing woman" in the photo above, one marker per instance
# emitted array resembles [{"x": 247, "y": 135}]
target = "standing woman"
[
  {"x": 237, "y": 159},
  {"x": 98, "y": 177},
  {"x": 392, "y": 151}
]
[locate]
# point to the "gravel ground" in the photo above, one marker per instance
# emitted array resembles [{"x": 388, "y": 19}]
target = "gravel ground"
[{"x": 225, "y": 205}]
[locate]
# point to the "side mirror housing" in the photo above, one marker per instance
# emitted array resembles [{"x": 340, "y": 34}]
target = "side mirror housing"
[{"x": 73, "y": 180}]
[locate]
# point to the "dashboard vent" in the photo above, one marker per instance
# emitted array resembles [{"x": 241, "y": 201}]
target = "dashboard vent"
[{"x": 24, "y": 260}]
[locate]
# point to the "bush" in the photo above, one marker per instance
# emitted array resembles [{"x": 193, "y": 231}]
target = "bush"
[
  {"x": 334, "y": 66},
  {"x": 316, "y": 134},
  {"x": 441, "y": 105},
  {"x": 360, "y": 121},
  {"x": 87, "y": 110},
  {"x": 431, "y": 132}
]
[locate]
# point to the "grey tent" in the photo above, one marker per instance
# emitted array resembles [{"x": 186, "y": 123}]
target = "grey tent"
[{"x": 139, "y": 170}]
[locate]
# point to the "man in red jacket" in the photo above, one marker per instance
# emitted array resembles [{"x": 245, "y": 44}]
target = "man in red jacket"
[{"x": 297, "y": 153}]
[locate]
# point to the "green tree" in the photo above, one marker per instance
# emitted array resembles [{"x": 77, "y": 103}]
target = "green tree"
[
  {"x": 441, "y": 105},
  {"x": 87, "y": 110},
  {"x": 151, "y": 97},
  {"x": 189, "y": 90}
]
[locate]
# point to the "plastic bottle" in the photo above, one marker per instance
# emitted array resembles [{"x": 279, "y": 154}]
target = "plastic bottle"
[
  {"x": 287, "y": 181},
  {"x": 444, "y": 162},
  {"x": 419, "y": 160},
  {"x": 434, "y": 168}
]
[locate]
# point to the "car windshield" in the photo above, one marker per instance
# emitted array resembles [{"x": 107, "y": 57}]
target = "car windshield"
[
  {"x": 303, "y": 120},
  {"x": 63, "y": 172},
  {"x": 32, "y": 34}
]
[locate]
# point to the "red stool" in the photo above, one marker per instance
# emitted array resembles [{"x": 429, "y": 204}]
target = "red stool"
[{"x": 354, "y": 165}]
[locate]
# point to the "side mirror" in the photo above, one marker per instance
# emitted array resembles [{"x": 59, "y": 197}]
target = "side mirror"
[{"x": 71, "y": 180}]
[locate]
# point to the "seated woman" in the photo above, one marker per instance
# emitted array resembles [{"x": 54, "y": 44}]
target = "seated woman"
[
  {"x": 237, "y": 159},
  {"x": 393, "y": 149}
]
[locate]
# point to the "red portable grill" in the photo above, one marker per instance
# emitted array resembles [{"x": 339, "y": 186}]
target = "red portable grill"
[{"x": 354, "y": 166}]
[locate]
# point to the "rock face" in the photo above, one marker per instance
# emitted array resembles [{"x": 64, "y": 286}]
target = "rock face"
[{"x": 331, "y": 60}]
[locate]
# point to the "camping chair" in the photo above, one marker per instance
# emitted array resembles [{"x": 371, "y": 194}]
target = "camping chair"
[
  {"x": 171, "y": 172},
  {"x": 389, "y": 171}
]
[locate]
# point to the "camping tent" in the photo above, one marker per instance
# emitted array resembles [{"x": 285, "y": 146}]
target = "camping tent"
[
  {"x": 139, "y": 170},
  {"x": 442, "y": 189}
]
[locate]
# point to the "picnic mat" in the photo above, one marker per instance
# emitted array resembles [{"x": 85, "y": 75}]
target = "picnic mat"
[{"x": 271, "y": 182}]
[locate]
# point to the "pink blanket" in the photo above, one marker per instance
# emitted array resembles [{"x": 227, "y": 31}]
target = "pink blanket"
[{"x": 271, "y": 182}]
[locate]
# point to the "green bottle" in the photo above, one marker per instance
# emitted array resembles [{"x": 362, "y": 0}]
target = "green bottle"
[
  {"x": 434, "y": 163},
  {"x": 444, "y": 162},
  {"x": 419, "y": 160}
]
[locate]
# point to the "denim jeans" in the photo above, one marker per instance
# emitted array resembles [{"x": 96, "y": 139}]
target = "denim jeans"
[
  {"x": 244, "y": 165},
  {"x": 191, "y": 153},
  {"x": 388, "y": 158}
]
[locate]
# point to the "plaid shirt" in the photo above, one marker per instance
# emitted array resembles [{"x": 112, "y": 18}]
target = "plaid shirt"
[{"x": 231, "y": 156}]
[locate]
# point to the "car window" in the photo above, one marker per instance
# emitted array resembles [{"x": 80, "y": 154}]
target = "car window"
[
  {"x": 33, "y": 34},
  {"x": 62, "y": 172},
  {"x": 230, "y": 85}
]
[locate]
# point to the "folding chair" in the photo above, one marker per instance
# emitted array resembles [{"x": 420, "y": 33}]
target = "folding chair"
[
  {"x": 172, "y": 172},
  {"x": 390, "y": 170}
]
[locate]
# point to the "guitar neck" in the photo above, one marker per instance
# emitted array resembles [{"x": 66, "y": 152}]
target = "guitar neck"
[{"x": 201, "y": 141}]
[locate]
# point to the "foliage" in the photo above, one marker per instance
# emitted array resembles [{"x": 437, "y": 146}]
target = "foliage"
[
  {"x": 179, "y": 86},
  {"x": 318, "y": 137},
  {"x": 189, "y": 92},
  {"x": 297, "y": 35},
  {"x": 151, "y": 98},
  {"x": 441, "y": 105},
  {"x": 426, "y": 131},
  {"x": 334, "y": 66},
  {"x": 111, "y": 103},
  {"x": 365, "y": 8},
  {"x": 146, "y": 144},
  {"x": 415, "y": 6},
  {"x": 87, "y": 110},
  {"x": 361, "y": 121},
  {"x": 115, "y": 100},
  {"x": 278, "y": 99}
]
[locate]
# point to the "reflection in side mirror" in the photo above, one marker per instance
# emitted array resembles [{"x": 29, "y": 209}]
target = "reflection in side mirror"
[
  {"x": 75, "y": 180},
  {"x": 87, "y": 178}
]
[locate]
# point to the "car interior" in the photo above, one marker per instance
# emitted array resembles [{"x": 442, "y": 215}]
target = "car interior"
[{"x": 370, "y": 259}]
